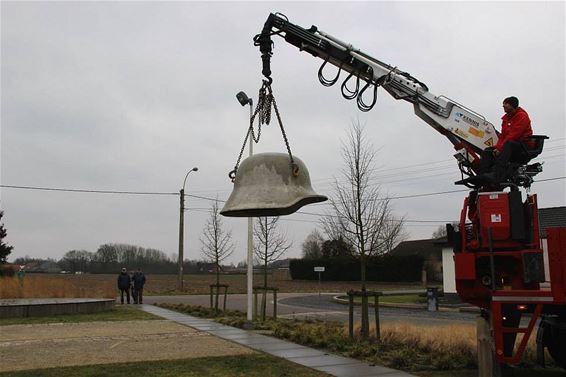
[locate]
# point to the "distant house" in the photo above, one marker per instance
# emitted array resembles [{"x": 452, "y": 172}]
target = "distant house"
[
  {"x": 9, "y": 269},
  {"x": 551, "y": 217},
  {"x": 46, "y": 267},
  {"x": 548, "y": 218},
  {"x": 431, "y": 253}
]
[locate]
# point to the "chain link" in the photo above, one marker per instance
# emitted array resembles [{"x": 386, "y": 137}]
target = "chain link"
[
  {"x": 293, "y": 165},
  {"x": 263, "y": 113}
]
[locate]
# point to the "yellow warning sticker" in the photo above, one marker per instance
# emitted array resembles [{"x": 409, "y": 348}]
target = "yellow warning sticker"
[
  {"x": 461, "y": 133},
  {"x": 476, "y": 132},
  {"x": 489, "y": 142}
]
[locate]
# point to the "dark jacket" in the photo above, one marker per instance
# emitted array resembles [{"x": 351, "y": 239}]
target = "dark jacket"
[
  {"x": 139, "y": 280},
  {"x": 124, "y": 280}
]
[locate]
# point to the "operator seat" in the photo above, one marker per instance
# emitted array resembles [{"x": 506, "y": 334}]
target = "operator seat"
[
  {"x": 518, "y": 172},
  {"x": 521, "y": 173},
  {"x": 536, "y": 150}
]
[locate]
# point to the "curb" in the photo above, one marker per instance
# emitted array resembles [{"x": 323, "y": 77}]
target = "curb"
[{"x": 465, "y": 309}]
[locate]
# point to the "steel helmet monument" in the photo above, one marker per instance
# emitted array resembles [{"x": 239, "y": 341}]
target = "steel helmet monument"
[{"x": 268, "y": 184}]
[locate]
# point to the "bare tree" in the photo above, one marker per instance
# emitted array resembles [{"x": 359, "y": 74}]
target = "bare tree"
[
  {"x": 312, "y": 246},
  {"x": 269, "y": 246},
  {"x": 216, "y": 243},
  {"x": 394, "y": 234},
  {"x": 441, "y": 230},
  {"x": 360, "y": 214},
  {"x": 77, "y": 260}
]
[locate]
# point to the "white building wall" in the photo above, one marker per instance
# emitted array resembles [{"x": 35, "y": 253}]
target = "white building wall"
[
  {"x": 544, "y": 242},
  {"x": 448, "y": 270}
]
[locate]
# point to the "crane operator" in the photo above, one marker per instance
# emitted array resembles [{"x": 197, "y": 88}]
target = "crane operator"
[{"x": 512, "y": 145}]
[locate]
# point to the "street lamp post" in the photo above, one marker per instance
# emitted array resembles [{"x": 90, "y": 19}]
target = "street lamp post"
[
  {"x": 244, "y": 100},
  {"x": 182, "y": 230}
]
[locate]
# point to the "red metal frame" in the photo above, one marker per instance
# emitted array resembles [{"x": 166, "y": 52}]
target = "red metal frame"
[
  {"x": 507, "y": 258},
  {"x": 556, "y": 241},
  {"x": 499, "y": 330}
]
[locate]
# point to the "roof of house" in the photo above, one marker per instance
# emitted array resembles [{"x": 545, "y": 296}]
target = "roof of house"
[
  {"x": 551, "y": 217},
  {"x": 428, "y": 249}
]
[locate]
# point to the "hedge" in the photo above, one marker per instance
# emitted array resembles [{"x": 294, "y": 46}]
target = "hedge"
[{"x": 383, "y": 268}]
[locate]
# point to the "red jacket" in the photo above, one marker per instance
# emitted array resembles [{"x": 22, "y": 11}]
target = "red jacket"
[{"x": 515, "y": 127}]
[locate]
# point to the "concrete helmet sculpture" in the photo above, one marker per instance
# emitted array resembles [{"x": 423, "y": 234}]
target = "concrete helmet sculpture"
[{"x": 268, "y": 184}]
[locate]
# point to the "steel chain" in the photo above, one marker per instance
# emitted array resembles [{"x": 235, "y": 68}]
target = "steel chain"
[
  {"x": 263, "y": 112},
  {"x": 294, "y": 166}
]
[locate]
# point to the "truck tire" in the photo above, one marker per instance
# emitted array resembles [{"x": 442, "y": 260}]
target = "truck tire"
[{"x": 555, "y": 339}]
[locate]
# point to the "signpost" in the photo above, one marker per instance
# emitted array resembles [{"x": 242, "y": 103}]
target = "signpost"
[{"x": 320, "y": 270}]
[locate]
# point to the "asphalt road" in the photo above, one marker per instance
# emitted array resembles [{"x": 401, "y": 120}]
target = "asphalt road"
[{"x": 308, "y": 305}]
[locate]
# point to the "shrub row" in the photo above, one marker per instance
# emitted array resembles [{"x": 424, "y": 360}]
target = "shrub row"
[{"x": 382, "y": 268}]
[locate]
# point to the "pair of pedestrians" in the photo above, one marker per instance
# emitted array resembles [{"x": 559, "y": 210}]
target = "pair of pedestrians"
[{"x": 134, "y": 282}]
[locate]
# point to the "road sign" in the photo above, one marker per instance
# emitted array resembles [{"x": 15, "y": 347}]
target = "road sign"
[{"x": 319, "y": 269}]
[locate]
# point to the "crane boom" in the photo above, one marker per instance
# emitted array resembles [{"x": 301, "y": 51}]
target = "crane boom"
[{"x": 468, "y": 131}]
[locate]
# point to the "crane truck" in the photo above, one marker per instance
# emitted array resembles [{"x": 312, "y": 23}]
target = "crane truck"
[{"x": 498, "y": 252}]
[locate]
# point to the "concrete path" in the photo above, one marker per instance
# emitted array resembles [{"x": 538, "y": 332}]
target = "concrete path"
[{"x": 309, "y": 357}]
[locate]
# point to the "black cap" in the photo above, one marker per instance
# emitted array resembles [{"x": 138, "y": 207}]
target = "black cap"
[{"x": 513, "y": 101}]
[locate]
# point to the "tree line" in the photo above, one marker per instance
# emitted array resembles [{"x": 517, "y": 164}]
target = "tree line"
[{"x": 111, "y": 257}]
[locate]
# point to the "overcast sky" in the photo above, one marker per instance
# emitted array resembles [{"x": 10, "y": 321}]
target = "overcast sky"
[{"x": 130, "y": 96}]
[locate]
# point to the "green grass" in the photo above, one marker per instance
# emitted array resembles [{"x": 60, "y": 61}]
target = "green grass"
[
  {"x": 254, "y": 365},
  {"x": 118, "y": 313},
  {"x": 401, "y": 299}
]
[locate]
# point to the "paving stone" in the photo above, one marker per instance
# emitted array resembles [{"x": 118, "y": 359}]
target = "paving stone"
[
  {"x": 360, "y": 370},
  {"x": 321, "y": 361},
  {"x": 236, "y": 337},
  {"x": 251, "y": 340},
  {"x": 221, "y": 332},
  {"x": 300, "y": 351},
  {"x": 268, "y": 347}
]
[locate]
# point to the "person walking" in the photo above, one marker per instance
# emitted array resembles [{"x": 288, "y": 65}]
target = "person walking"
[
  {"x": 139, "y": 282},
  {"x": 124, "y": 282}
]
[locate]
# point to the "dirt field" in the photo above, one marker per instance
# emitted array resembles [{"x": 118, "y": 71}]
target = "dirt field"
[
  {"x": 25, "y": 347},
  {"x": 200, "y": 284}
]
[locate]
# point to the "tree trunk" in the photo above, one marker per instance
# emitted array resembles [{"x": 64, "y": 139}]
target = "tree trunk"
[
  {"x": 217, "y": 287},
  {"x": 264, "y": 298},
  {"x": 365, "y": 311}
]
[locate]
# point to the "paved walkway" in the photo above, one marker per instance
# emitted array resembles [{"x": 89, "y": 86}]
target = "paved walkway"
[{"x": 309, "y": 357}]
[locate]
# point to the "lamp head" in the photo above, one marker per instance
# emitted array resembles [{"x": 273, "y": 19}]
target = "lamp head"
[
  {"x": 194, "y": 169},
  {"x": 243, "y": 99}
]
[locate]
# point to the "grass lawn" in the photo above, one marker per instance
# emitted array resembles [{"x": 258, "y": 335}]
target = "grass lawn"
[
  {"x": 118, "y": 313},
  {"x": 255, "y": 365},
  {"x": 401, "y": 299}
]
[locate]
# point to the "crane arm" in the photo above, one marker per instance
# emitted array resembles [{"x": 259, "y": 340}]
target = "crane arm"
[{"x": 467, "y": 130}]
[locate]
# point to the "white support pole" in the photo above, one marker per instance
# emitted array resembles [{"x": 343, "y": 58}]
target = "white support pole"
[{"x": 250, "y": 247}]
